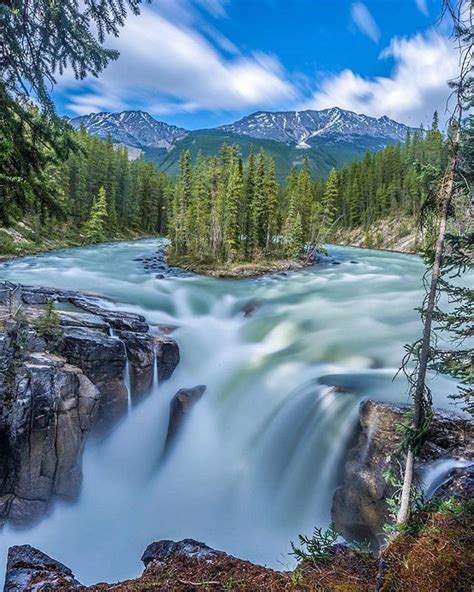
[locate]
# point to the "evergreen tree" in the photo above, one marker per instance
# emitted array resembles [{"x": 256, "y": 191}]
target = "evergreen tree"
[{"x": 94, "y": 229}]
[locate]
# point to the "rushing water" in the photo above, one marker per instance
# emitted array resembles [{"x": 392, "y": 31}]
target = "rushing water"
[{"x": 258, "y": 460}]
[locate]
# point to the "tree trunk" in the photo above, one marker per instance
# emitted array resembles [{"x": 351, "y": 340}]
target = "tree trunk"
[{"x": 424, "y": 356}]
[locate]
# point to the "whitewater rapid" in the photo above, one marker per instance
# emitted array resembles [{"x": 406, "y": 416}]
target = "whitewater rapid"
[{"x": 258, "y": 460}]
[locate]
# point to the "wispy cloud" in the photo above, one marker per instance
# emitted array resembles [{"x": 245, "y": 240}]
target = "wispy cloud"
[
  {"x": 169, "y": 60},
  {"x": 415, "y": 89},
  {"x": 365, "y": 21},
  {"x": 422, "y": 6}
]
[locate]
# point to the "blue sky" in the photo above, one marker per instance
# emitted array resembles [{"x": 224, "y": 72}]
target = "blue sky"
[{"x": 201, "y": 63}]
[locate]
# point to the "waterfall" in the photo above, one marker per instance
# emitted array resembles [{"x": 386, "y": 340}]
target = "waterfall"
[
  {"x": 126, "y": 370},
  {"x": 256, "y": 461}
]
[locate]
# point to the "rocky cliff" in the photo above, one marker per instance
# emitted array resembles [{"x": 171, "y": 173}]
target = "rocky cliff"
[
  {"x": 51, "y": 398},
  {"x": 359, "y": 507}
]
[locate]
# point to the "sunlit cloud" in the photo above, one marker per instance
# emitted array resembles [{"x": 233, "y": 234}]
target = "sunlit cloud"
[
  {"x": 167, "y": 61},
  {"x": 416, "y": 87},
  {"x": 365, "y": 21}
]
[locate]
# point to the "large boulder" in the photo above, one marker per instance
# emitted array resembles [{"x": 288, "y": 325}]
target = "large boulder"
[
  {"x": 31, "y": 570},
  {"x": 44, "y": 422},
  {"x": 162, "y": 550},
  {"x": 180, "y": 406},
  {"x": 359, "y": 508},
  {"x": 167, "y": 356}
]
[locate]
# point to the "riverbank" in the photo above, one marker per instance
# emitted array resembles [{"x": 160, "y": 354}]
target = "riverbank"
[
  {"x": 401, "y": 235},
  {"x": 23, "y": 239}
]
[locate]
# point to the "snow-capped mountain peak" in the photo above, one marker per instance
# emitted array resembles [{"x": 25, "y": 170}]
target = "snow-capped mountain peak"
[
  {"x": 299, "y": 127},
  {"x": 132, "y": 128}
]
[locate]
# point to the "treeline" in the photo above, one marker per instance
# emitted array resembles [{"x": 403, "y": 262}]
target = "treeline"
[
  {"x": 105, "y": 191},
  {"x": 223, "y": 209},
  {"x": 392, "y": 182}
]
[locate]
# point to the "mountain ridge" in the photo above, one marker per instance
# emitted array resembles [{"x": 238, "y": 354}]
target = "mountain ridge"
[
  {"x": 299, "y": 128},
  {"x": 328, "y": 138}
]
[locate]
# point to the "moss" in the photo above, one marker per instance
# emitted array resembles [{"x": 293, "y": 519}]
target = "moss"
[{"x": 439, "y": 557}]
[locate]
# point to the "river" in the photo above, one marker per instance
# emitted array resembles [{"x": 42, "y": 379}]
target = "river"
[{"x": 258, "y": 460}]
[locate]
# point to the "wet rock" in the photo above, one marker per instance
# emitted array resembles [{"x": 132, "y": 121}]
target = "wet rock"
[
  {"x": 459, "y": 484},
  {"x": 180, "y": 406},
  {"x": 45, "y": 421},
  {"x": 30, "y": 297},
  {"x": 118, "y": 320},
  {"x": 249, "y": 308},
  {"x": 159, "y": 276},
  {"x": 167, "y": 356},
  {"x": 80, "y": 319},
  {"x": 102, "y": 358},
  {"x": 359, "y": 508},
  {"x": 141, "y": 359},
  {"x": 162, "y": 550},
  {"x": 31, "y": 570}
]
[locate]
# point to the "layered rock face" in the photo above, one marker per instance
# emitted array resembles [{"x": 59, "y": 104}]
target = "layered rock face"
[
  {"x": 43, "y": 429},
  {"x": 359, "y": 508},
  {"x": 49, "y": 403}
]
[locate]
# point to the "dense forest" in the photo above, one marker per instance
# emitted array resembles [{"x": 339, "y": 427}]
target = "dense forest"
[{"x": 222, "y": 208}]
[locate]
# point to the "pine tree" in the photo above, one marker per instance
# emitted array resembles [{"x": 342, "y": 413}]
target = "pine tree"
[{"x": 94, "y": 229}]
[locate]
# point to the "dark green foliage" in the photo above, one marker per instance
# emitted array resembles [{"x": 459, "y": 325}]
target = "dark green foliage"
[
  {"x": 48, "y": 326},
  {"x": 39, "y": 39},
  {"x": 317, "y": 548},
  {"x": 224, "y": 211}
]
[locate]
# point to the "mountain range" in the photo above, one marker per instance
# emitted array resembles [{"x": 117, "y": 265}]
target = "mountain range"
[{"x": 329, "y": 138}]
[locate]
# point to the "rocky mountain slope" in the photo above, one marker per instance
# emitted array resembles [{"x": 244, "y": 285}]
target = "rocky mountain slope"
[
  {"x": 329, "y": 138},
  {"x": 131, "y": 128},
  {"x": 306, "y": 128}
]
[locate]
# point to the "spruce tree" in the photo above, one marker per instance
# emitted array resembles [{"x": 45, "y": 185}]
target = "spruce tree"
[{"x": 94, "y": 229}]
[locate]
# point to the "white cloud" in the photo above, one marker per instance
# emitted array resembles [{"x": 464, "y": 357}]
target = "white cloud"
[
  {"x": 167, "y": 62},
  {"x": 422, "y": 6},
  {"x": 415, "y": 89},
  {"x": 365, "y": 21}
]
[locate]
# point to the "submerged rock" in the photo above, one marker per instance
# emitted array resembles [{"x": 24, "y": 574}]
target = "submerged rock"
[
  {"x": 359, "y": 508},
  {"x": 31, "y": 570},
  {"x": 180, "y": 406}
]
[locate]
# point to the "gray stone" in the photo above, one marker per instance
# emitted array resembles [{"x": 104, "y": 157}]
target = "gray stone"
[
  {"x": 359, "y": 508},
  {"x": 180, "y": 406},
  {"x": 162, "y": 550},
  {"x": 42, "y": 436},
  {"x": 102, "y": 358},
  {"x": 31, "y": 570},
  {"x": 167, "y": 356},
  {"x": 141, "y": 359}
]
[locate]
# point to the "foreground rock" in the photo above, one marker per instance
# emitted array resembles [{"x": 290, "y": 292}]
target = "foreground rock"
[
  {"x": 359, "y": 508},
  {"x": 50, "y": 402},
  {"x": 30, "y": 570},
  {"x": 437, "y": 557}
]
